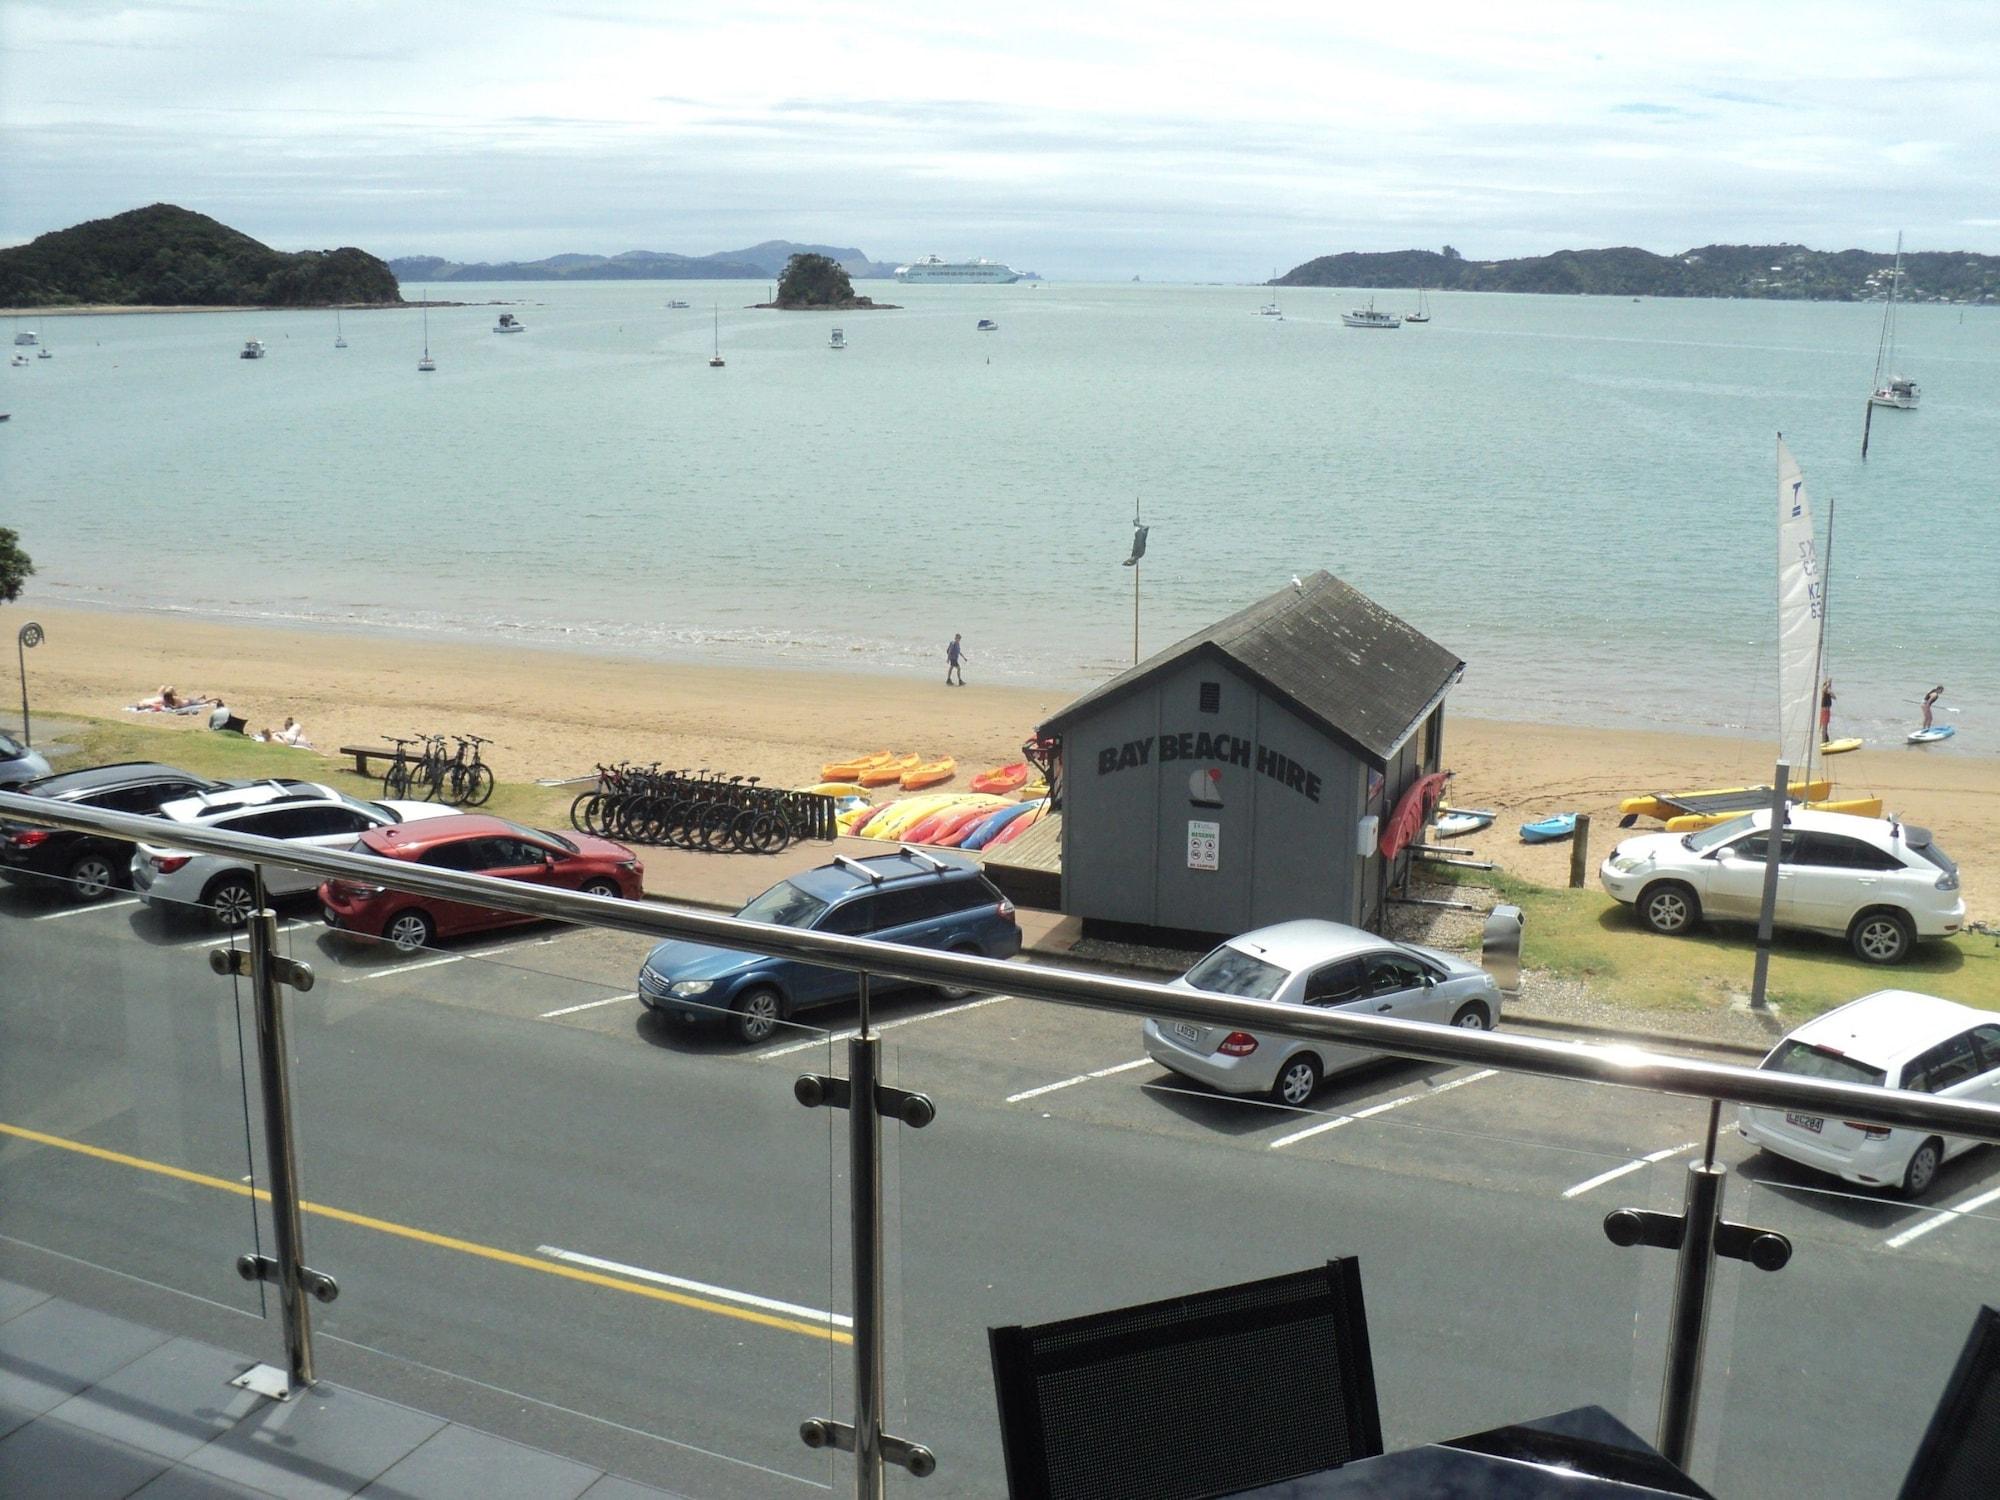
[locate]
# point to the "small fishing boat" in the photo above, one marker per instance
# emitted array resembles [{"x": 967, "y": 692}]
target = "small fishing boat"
[
  {"x": 27, "y": 339},
  {"x": 1932, "y": 735},
  {"x": 836, "y": 340},
  {"x": 1549, "y": 830},
  {"x": 930, "y": 773},
  {"x": 252, "y": 349},
  {"x": 1456, "y": 822},
  {"x": 20, "y": 360},
  {"x": 510, "y": 324},
  {"x": 1367, "y": 317},
  {"x": 987, "y": 325}
]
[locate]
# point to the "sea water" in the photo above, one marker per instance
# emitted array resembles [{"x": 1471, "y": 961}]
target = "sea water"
[{"x": 1576, "y": 495}]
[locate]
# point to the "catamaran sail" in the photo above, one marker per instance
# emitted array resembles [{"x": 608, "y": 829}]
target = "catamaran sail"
[{"x": 1801, "y": 619}]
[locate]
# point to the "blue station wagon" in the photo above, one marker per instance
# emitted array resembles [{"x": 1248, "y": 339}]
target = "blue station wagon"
[{"x": 927, "y": 900}]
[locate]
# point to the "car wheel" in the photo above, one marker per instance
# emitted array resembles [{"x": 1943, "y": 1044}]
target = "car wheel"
[
  {"x": 959, "y": 991},
  {"x": 1298, "y": 1080},
  {"x": 91, "y": 877},
  {"x": 1881, "y": 937},
  {"x": 601, "y": 888},
  {"x": 755, "y": 1015},
  {"x": 1670, "y": 908},
  {"x": 1472, "y": 1016},
  {"x": 1923, "y": 1168},
  {"x": 231, "y": 900},
  {"x": 410, "y": 930}
]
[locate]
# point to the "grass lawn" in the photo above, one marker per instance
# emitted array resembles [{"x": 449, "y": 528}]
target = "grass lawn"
[{"x": 1588, "y": 936}]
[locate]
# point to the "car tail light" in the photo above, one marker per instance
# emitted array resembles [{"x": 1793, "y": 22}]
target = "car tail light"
[
  {"x": 27, "y": 838},
  {"x": 1005, "y": 909},
  {"x": 1873, "y": 1132},
  {"x": 1238, "y": 1044},
  {"x": 166, "y": 864}
]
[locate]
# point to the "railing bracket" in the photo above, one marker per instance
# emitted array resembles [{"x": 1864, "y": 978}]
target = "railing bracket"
[
  {"x": 816, "y": 1092},
  {"x": 286, "y": 971},
  {"x": 824, "y": 1432},
  {"x": 322, "y": 1287},
  {"x": 1766, "y": 1249}
]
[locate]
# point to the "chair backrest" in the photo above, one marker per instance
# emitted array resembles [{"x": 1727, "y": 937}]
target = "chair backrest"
[
  {"x": 1192, "y": 1396},
  {"x": 1959, "y": 1458}
]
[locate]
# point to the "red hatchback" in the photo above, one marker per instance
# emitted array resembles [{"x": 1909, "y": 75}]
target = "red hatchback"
[{"x": 479, "y": 845}]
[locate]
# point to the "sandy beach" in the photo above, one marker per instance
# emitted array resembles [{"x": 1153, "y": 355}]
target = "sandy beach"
[{"x": 553, "y": 713}]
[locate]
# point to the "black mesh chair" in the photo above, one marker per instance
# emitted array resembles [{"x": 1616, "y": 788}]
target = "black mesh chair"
[
  {"x": 1191, "y": 1397},
  {"x": 1959, "y": 1458}
]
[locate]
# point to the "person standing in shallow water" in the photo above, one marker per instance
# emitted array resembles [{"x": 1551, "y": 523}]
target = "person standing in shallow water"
[
  {"x": 1930, "y": 702},
  {"x": 1826, "y": 710},
  {"x": 953, "y": 655}
]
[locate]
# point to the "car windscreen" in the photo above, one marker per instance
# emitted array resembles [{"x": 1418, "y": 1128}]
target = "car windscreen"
[
  {"x": 1721, "y": 833},
  {"x": 11, "y": 748},
  {"x": 785, "y": 905},
  {"x": 1807, "y": 1061},
  {"x": 550, "y": 835},
  {"x": 1231, "y": 971}
]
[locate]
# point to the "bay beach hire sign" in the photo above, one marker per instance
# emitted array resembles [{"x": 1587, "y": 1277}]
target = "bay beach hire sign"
[{"x": 1201, "y": 745}]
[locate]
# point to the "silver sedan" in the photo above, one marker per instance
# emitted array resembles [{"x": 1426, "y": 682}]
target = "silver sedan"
[{"x": 1322, "y": 964}]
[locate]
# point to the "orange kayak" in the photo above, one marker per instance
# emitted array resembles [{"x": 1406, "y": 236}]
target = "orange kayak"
[
  {"x": 887, "y": 772},
  {"x": 1002, "y": 778},
  {"x": 850, "y": 770},
  {"x": 929, "y": 774}
]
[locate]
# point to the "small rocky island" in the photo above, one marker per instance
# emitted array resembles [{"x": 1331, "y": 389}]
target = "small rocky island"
[
  {"x": 816, "y": 283},
  {"x": 166, "y": 256}
]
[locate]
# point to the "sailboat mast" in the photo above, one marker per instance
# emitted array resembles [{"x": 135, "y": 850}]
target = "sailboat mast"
[{"x": 1819, "y": 646}]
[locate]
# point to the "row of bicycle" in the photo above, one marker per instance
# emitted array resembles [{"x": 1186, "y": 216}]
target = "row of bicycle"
[{"x": 691, "y": 809}]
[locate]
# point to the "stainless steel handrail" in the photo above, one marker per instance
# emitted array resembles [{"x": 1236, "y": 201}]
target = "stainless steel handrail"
[{"x": 1628, "y": 1066}]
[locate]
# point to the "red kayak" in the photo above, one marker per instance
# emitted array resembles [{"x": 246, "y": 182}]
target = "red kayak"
[
  {"x": 1015, "y": 829},
  {"x": 957, "y": 827},
  {"x": 1412, "y": 808},
  {"x": 1002, "y": 778}
]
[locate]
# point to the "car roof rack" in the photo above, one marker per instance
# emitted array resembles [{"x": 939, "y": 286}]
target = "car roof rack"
[
  {"x": 928, "y": 861},
  {"x": 872, "y": 876}
]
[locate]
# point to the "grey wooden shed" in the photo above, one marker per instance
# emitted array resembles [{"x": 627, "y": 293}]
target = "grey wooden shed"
[{"x": 1240, "y": 776}]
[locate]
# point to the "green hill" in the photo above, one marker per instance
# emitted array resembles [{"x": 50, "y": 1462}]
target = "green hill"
[
  {"x": 1768, "y": 271},
  {"x": 168, "y": 256}
]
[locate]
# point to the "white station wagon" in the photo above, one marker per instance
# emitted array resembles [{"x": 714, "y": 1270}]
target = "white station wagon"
[
  {"x": 1893, "y": 1039},
  {"x": 1878, "y": 883}
]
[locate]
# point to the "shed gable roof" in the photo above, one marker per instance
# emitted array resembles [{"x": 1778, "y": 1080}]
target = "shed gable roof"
[{"x": 1335, "y": 656}]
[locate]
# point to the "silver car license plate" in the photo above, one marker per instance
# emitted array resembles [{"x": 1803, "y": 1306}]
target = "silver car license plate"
[
  {"x": 1186, "y": 1032},
  {"x": 1814, "y": 1123}
]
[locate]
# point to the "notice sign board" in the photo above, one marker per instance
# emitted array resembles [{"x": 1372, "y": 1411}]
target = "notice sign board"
[{"x": 1204, "y": 846}]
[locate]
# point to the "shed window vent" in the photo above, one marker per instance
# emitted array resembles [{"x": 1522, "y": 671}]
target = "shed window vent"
[{"x": 1211, "y": 697}]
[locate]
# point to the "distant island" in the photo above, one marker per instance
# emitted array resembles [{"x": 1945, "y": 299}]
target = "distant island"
[
  {"x": 165, "y": 256},
  {"x": 813, "y": 283},
  {"x": 765, "y": 262},
  {"x": 1764, "y": 271}
]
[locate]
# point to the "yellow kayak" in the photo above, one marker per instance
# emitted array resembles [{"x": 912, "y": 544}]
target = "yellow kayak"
[
  {"x": 835, "y": 789},
  {"x": 1034, "y": 789},
  {"x": 888, "y": 773},
  {"x": 929, "y": 774},
  {"x": 850, "y": 770},
  {"x": 898, "y": 817},
  {"x": 1860, "y": 807},
  {"x": 1654, "y": 806}
]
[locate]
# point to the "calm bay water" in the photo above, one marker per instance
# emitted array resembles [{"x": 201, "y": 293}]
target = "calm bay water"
[{"x": 1575, "y": 494}]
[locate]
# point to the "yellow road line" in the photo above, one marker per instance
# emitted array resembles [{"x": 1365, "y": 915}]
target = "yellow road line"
[{"x": 441, "y": 1241}]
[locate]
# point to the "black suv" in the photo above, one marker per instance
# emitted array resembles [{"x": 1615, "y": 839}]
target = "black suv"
[{"x": 90, "y": 865}]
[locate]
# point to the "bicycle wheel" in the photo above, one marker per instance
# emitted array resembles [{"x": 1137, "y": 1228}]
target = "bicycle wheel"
[
  {"x": 580, "y": 810},
  {"x": 396, "y": 780},
  {"x": 478, "y": 784}
]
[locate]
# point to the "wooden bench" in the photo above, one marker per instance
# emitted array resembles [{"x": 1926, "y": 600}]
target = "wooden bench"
[{"x": 364, "y": 753}]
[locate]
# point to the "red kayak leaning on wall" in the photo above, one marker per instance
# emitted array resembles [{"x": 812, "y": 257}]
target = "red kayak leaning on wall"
[{"x": 1412, "y": 808}]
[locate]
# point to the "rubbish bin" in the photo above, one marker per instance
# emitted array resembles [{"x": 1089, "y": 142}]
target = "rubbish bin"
[{"x": 1500, "y": 948}]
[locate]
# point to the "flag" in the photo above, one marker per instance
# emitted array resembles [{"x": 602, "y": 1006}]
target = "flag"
[{"x": 1138, "y": 544}]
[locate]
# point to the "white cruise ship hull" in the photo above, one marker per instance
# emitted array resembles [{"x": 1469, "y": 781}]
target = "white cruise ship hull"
[{"x": 963, "y": 272}]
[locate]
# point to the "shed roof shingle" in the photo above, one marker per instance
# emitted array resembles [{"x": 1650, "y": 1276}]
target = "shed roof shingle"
[{"x": 1339, "y": 659}]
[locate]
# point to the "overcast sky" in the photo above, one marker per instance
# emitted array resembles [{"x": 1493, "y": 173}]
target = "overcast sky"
[{"x": 1098, "y": 139}]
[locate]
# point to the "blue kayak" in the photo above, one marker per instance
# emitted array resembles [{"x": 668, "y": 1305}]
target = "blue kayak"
[
  {"x": 983, "y": 834},
  {"x": 1549, "y": 830}
]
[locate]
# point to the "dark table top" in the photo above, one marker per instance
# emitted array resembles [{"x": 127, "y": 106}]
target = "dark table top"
[{"x": 1586, "y": 1453}]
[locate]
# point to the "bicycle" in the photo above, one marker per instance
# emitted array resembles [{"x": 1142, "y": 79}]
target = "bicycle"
[
  {"x": 470, "y": 781},
  {"x": 396, "y": 780}
]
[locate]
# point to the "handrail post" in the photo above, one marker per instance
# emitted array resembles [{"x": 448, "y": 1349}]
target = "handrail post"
[
  {"x": 864, "y": 1190},
  {"x": 1680, "y": 1392}
]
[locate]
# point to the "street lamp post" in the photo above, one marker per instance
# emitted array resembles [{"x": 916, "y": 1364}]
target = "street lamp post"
[{"x": 31, "y": 634}]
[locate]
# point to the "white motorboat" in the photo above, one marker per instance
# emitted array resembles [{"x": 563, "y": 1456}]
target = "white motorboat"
[
  {"x": 252, "y": 349},
  {"x": 20, "y": 359},
  {"x": 836, "y": 340},
  {"x": 677, "y": 303},
  {"x": 987, "y": 325},
  {"x": 1367, "y": 317},
  {"x": 510, "y": 324},
  {"x": 26, "y": 338}
]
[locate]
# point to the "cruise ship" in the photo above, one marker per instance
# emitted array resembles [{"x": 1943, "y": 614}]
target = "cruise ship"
[{"x": 936, "y": 268}]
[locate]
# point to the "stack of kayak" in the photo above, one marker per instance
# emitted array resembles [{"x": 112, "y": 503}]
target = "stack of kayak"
[
  {"x": 951, "y": 820},
  {"x": 910, "y": 771}
]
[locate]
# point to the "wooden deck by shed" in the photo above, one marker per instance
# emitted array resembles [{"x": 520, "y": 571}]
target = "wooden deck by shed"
[{"x": 1028, "y": 869}]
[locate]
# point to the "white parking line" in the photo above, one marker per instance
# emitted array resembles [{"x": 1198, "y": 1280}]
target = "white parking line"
[
  {"x": 747, "y": 1299},
  {"x": 79, "y": 911},
  {"x": 1378, "y": 1109},
  {"x": 239, "y": 936},
  {"x": 1942, "y": 1218},
  {"x": 1050, "y": 1088},
  {"x": 855, "y": 1031},
  {"x": 422, "y": 963},
  {"x": 570, "y": 1010},
  {"x": 1631, "y": 1166}
]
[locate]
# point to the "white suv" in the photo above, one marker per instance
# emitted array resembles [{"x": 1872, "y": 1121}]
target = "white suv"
[
  {"x": 1892, "y": 1039},
  {"x": 1878, "y": 883},
  {"x": 302, "y": 812}
]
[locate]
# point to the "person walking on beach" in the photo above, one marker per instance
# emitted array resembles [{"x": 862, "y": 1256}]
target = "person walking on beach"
[
  {"x": 1930, "y": 702},
  {"x": 953, "y": 655},
  {"x": 1826, "y": 710}
]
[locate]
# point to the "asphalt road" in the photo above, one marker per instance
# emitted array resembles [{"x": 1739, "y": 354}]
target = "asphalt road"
[{"x": 520, "y": 1179}]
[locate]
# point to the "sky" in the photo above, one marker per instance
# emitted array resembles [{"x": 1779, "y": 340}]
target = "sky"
[{"x": 1099, "y": 140}]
